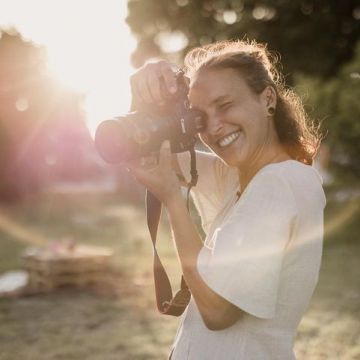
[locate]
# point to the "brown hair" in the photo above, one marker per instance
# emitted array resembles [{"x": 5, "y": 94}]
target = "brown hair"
[{"x": 297, "y": 133}]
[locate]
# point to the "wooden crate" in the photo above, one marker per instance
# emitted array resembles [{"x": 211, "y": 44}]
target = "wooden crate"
[{"x": 78, "y": 266}]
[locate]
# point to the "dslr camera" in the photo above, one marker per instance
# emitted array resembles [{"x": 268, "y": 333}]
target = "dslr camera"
[{"x": 141, "y": 133}]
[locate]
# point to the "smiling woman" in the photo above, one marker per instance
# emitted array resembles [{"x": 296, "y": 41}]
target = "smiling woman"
[
  {"x": 261, "y": 204},
  {"x": 88, "y": 46}
]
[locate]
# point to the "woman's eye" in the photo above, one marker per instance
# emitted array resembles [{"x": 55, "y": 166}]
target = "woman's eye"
[
  {"x": 203, "y": 122},
  {"x": 225, "y": 105}
]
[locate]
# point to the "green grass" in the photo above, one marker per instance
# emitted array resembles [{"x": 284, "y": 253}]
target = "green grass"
[
  {"x": 81, "y": 324},
  {"x": 331, "y": 327}
]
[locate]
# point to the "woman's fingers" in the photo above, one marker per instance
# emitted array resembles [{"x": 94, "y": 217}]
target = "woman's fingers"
[
  {"x": 144, "y": 90},
  {"x": 169, "y": 77},
  {"x": 143, "y": 163},
  {"x": 154, "y": 82},
  {"x": 149, "y": 162},
  {"x": 161, "y": 81},
  {"x": 139, "y": 89},
  {"x": 156, "y": 174},
  {"x": 154, "y": 86},
  {"x": 165, "y": 155},
  {"x": 154, "y": 162}
]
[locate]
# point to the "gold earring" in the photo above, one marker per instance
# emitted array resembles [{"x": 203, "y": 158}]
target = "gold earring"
[{"x": 271, "y": 111}]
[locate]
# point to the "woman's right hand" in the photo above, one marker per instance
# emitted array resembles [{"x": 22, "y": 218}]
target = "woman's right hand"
[{"x": 153, "y": 84}]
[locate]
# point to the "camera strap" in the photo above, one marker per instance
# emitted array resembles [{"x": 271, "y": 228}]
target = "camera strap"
[{"x": 166, "y": 303}]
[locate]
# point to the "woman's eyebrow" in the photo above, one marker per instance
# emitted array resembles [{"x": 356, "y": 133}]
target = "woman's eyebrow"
[
  {"x": 215, "y": 101},
  {"x": 220, "y": 99}
]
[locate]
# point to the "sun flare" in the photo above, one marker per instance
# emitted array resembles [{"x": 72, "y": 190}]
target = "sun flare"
[{"x": 88, "y": 46}]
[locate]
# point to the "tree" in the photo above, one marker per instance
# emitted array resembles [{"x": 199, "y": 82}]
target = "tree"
[
  {"x": 314, "y": 36},
  {"x": 316, "y": 39},
  {"x": 336, "y": 103},
  {"x": 39, "y": 122}
]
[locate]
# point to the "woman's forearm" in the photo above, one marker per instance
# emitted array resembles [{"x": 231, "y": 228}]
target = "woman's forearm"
[
  {"x": 187, "y": 239},
  {"x": 216, "y": 312}
]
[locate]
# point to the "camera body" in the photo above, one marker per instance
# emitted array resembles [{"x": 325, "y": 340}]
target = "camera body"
[{"x": 141, "y": 133}]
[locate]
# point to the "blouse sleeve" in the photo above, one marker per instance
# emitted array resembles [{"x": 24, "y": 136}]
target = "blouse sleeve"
[
  {"x": 244, "y": 264},
  {"x": 216, "y": 180}
]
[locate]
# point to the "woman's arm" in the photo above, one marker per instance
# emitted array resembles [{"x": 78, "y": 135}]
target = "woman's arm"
[
  {"x": 217, "y": 313},
  {"x": 146, "y": 90},
  {"x": 177, "y": 169},
  {"x": 146, "y": 87}
]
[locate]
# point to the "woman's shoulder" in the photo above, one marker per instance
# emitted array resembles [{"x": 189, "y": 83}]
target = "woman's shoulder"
[
  {"x": 304, "y": 181},
  {"x": 293, "y": 170}
]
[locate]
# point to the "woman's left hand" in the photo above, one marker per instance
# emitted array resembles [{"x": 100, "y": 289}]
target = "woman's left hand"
[{"x": 158, "y": 178}]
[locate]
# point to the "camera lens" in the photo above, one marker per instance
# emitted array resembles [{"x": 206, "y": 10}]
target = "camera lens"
[{"x": 112, "y": 142}]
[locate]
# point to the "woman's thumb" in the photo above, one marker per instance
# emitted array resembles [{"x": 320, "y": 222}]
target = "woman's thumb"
[{"x": 165, "y": 150}]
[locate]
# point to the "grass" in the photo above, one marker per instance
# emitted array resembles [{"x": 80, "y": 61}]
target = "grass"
[{"x": 81, "y": 324}]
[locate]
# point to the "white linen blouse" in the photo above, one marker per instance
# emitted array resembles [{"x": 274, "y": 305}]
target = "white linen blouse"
[{"x": 262, "y": 253}]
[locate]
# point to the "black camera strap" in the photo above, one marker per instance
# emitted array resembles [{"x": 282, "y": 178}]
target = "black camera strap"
[{"x": 166, "y": 303}]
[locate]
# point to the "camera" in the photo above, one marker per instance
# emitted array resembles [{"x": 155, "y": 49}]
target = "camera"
[{"x": 141, "y": 133}]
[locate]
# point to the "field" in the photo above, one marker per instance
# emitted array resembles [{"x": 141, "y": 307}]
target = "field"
[{"x": 100, "y": 324}]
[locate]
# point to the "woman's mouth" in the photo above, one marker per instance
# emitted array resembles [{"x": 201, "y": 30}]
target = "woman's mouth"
[{"x": 228, "y": 139}]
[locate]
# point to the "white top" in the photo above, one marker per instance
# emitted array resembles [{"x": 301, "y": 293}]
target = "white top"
[{"x": 261, "y": 253}]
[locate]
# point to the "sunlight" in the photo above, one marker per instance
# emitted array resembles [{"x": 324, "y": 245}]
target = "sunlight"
[
  {"x": 88, "y": 44},
  {"x": 20, "y": 232},
  {"x": 339, "y": 220}
]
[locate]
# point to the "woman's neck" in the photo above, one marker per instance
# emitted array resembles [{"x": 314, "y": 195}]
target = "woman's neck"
[{"x": 246, "y": 173}]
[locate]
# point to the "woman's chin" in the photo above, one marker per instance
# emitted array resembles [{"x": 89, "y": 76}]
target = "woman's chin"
[
  {"x": 232, "y": 156},
  {"x": 231, "y": 161}
]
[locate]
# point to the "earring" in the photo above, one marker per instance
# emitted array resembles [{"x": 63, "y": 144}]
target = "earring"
[{"x": 271, "y": 111}]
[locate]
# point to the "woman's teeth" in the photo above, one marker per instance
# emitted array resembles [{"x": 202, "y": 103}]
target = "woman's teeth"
[{"x": 227, "y": 140}]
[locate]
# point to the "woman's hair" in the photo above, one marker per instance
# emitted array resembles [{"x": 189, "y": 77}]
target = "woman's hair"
[{"x": 297, "y": 133}]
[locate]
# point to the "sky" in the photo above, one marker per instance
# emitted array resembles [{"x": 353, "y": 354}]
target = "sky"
[{"x": 88, "y": 45}]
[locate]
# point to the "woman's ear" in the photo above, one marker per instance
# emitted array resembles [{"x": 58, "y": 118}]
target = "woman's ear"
[{"x": 269, "y": 97}]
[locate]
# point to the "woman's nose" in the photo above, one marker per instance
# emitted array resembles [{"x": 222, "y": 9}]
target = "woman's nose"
[{"x": 214, "y": 125}]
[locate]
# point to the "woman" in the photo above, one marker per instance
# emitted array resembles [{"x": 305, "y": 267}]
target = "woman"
[{"x": 260, "y": 201}]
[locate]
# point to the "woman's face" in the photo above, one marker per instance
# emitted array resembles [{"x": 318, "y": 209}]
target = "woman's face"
[{"x": 238, "y": 128}]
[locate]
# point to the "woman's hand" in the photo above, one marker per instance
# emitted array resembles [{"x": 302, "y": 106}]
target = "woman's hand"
[
  {"x": 153, "y": 84},
  {"x": 158, "y": 176}
]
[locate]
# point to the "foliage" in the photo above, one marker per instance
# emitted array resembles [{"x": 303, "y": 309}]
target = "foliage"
[
  {"x": 316, "y": 39},
  {"x": 314, "y": 36},
  {"x": 42, "y": 132},
  {"x": 336, "y": 103}
]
